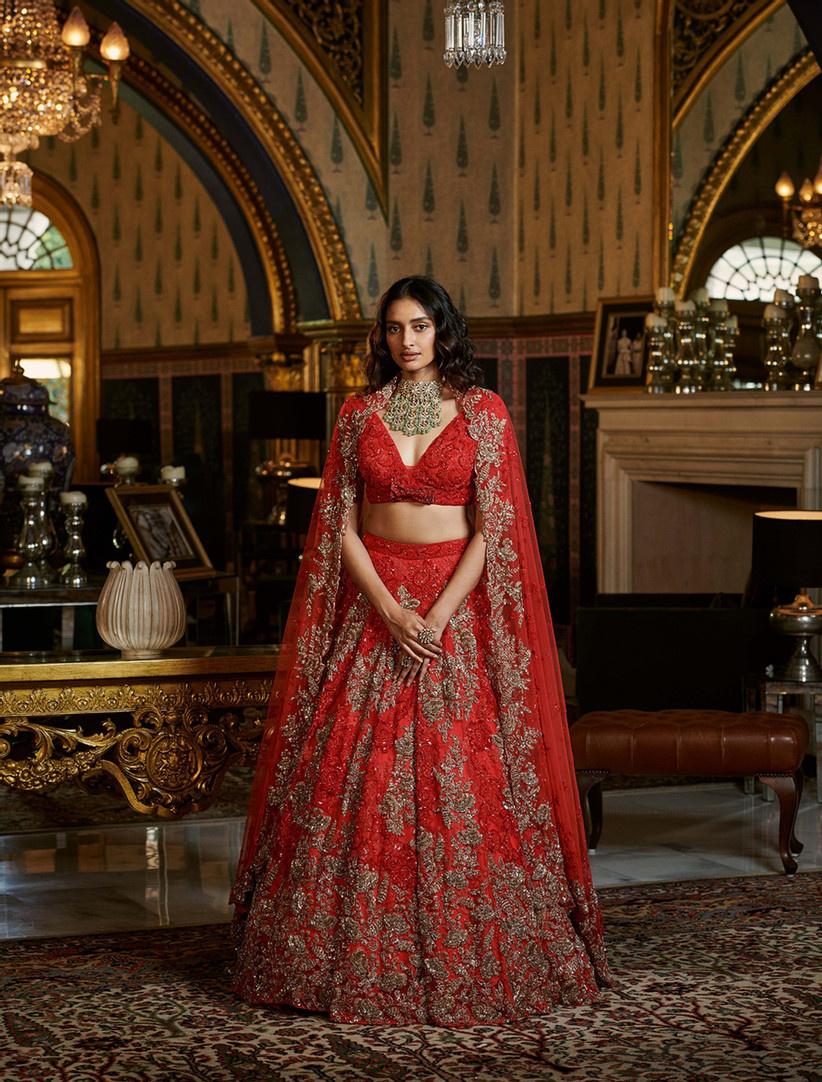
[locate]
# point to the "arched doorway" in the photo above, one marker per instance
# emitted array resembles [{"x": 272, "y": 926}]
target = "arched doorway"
[{"x": 50, "y": 308}]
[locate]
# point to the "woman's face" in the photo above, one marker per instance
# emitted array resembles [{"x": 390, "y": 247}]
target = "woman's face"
[{"x": 411, "y": 338}]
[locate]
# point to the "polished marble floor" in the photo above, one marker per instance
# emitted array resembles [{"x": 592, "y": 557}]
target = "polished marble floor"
[{"x": 132, "y": 877}]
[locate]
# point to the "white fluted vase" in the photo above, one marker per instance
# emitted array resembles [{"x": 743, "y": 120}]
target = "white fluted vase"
[{"x": 141, "y": 610}]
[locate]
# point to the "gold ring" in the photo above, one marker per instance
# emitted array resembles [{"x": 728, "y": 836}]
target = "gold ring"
[
  {"x": 406, "y": 661},
  {"x": 426, "y": 636}
]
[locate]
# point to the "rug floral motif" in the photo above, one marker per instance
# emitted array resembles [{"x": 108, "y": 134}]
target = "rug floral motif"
[{"x": 717, "y": 980}]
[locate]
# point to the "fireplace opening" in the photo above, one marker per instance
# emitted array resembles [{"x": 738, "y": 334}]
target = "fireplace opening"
[{"x": 694, "y": 538}]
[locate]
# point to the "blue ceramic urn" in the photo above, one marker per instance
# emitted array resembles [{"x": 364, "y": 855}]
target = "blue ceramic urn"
[{"x": 27, "y": 434}]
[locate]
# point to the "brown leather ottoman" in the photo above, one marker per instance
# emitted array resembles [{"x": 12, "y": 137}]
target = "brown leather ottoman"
[{"x": 710, "y": 742}]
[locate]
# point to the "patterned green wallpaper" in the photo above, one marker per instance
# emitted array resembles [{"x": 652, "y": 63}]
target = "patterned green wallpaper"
[
  {"x": 170, "y": 274},
  {"x": 584, "y": 160},
  {"x": 526, "y": 189},
  {"x": 724, "y": 101}
]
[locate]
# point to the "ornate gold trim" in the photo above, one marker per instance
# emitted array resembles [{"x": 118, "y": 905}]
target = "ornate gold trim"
[
  {"x": 366, "y": 121},
  {"x": 769, "y": 104},
  {"x": 719, "y": 53},
  {"x": 169, "y": 99},
  {"x": 227, "y": 72},
  {"x": 188, "y": 717}
]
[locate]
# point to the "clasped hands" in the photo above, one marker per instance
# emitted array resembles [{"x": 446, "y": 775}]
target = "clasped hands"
[{"x": 413, "y": 656}]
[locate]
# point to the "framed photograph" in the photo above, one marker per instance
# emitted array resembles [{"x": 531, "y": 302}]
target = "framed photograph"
[
  {"x": 156, "y": 524},
  {"x": 620, "y": 360}
]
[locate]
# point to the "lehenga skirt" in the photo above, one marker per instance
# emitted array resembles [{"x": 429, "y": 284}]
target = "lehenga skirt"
[{"x": 393, "y": 886}]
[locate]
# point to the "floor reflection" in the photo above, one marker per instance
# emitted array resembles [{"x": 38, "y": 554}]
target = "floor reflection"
[{"x": 132, "y": 877}]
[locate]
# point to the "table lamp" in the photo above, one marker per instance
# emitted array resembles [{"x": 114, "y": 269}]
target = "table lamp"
[
  {"x": 302, "y": 494},
  {"x": 285, "y": 415},
  {"x": 787, "y": 552}
]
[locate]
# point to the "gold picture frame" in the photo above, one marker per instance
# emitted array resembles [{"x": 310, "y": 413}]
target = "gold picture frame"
[{"x": 158, "y": 528}]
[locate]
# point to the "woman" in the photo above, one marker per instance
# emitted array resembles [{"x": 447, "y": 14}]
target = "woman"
[{"x": 414, "y": 851}]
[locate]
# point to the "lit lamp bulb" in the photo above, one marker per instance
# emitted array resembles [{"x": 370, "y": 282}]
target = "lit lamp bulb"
[
  {"x": 75, "y": 32},
  {"x": 784, "y": 187},
  {"x": 114, "y": 49},
  {"x": 806, "y": 191}
]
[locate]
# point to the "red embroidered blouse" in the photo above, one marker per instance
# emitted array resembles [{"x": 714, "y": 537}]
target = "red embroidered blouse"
[{"x": 444, "y": 474}]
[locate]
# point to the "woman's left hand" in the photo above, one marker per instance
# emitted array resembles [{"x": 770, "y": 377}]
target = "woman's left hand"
[{"x": 409, "y": 673}]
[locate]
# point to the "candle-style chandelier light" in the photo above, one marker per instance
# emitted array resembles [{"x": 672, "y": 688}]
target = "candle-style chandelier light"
[
  {"x": 802, "y": 209},
  {"x": 44, "y": 89},
  {"x": 474, "y": 33}
]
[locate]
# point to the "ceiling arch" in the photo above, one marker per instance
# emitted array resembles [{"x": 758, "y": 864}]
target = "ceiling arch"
[{"x": 201, "y": 69}]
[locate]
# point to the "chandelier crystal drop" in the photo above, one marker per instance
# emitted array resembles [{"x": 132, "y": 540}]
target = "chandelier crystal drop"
[
  {"x": 474, "y": 33},
  {"x": 44, "y": 89}
]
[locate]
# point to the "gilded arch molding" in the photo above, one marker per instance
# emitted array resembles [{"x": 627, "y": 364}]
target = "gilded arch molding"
[
  {"x": 770, "y": 103},
  {"x": 170, "y": 100},
  {"x": 705, "y": 34},
  {"x": 344, "y": 50},
  {"x": 189, "y": 33}
]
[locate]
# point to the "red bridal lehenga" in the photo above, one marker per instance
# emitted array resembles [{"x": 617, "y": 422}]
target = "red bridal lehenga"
[{"x": 416, "y": 854}]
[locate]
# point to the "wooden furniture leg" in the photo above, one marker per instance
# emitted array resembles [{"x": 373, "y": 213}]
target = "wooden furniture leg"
[
  {"x": 590, "y": 797},
  {"x": 787, "y": 791}
]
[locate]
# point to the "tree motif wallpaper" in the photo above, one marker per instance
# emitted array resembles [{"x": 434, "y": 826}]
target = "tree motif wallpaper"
[
  {"x": 169, "y": 271},
  {"x": 516, "y": 210},
  {"x": 585, "y": 155}
]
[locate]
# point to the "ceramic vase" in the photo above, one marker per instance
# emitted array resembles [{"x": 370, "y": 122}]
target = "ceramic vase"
[{"x": 141, "y": 611}]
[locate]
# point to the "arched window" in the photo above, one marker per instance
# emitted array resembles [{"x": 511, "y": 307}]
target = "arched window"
[
  {"x": 752, "y": 270},
  {"x": 29, "y": 241}
]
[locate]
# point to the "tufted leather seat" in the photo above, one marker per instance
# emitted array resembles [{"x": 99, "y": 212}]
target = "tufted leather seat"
[{"x": 710, "y": 742}]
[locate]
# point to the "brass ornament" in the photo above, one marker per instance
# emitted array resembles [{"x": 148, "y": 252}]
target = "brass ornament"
[{"x": 415, "y": 407}]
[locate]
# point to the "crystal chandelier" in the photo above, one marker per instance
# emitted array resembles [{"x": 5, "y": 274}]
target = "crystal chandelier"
[
  {"x": 43, "y": 87},
  {"x": 802, "y": 209},
  {"x": 474, "y": 33}
]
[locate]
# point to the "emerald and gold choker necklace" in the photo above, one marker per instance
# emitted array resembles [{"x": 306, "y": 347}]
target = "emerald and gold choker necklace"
[{"x": 415, "y": 407}]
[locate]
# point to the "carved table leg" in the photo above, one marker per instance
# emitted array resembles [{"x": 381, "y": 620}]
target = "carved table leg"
[{"x": 788, "y": 792}]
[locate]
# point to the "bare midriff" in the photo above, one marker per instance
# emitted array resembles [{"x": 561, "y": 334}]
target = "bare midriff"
[
  {"x": 417, "y": 523},
  {"x": 414, "y": 523}
]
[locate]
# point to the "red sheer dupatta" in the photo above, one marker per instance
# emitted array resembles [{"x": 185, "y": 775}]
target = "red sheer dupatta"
[{"x": 526, "y": 678}]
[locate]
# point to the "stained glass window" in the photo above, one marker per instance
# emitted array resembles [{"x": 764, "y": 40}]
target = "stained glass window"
[
  {"x": 29, "y": 241},
  {"x": 752, "y": 270}
]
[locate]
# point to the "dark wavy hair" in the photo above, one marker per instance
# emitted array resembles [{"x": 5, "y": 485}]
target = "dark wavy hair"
[{"x": 454, "y": 350}]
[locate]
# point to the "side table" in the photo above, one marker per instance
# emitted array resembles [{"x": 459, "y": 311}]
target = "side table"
[
  {"x": 773, "y": 694},
  {"x": 163, "y": 730}
]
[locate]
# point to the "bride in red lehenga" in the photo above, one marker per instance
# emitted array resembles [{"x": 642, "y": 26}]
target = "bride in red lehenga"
[{"x": 414, "y": 851}]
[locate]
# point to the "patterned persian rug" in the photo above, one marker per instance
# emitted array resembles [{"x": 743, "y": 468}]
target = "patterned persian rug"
[{"x": 716, "y": 980}]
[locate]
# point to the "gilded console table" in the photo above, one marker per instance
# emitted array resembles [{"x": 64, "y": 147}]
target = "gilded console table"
[{"x": 163, "y": 730}]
